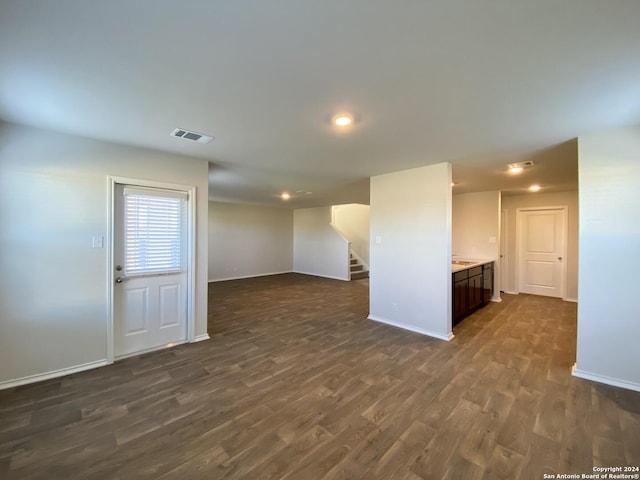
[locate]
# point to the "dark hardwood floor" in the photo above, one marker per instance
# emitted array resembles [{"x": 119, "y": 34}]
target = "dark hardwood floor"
[{"x": 296, "y": 383}]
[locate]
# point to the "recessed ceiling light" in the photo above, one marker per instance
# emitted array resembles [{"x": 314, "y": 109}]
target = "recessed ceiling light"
[
  {"x": 534, "y": 188},
  {"x": 343, "y": 119},
  {"x": 285, "y": 196},
  {"x": 516, "y": 168}
]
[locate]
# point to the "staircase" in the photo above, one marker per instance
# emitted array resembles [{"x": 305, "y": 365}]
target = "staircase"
[{"x": 357, "y": 268}]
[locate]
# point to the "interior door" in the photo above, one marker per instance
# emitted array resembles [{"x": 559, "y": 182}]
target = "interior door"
[
  {"x": 150, "y": 261},
  {"x": 542, "y": 240}
]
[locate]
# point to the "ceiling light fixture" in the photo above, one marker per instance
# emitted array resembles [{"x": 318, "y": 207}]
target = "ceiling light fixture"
[
  {"x": 343, "y": 119},
  {"x": 534, "y": 188},
  {"x": 285, "y": 196},
  {"x": 516, "y": 168}
]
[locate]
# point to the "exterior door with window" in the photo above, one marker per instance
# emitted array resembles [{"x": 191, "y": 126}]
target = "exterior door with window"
[{"x": 150, "y": 261}]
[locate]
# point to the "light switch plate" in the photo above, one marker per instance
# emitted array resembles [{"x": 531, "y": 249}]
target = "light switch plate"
[{"x": 98, "y": 241}]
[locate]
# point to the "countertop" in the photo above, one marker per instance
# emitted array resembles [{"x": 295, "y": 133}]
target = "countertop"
[{"x": 475, "y": 263}]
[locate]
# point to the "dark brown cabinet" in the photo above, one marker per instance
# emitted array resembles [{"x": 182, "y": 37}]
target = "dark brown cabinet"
[
  {"x": 460, "y": 296},
  {"x": 472, "y": 288},
  {"x": 487, "y": 278},
  {"x": 475, "y": 288}
]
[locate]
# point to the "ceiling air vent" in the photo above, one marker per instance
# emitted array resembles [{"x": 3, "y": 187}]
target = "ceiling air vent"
[
  {"x": 526, "y": 164},
  {"x": 189, "y": 135}
]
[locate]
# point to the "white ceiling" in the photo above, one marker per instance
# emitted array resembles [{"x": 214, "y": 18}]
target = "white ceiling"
[{"x": 478, "y": 83}]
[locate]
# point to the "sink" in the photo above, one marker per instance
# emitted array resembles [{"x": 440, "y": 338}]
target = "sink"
[{"x": 462, "y": 262}]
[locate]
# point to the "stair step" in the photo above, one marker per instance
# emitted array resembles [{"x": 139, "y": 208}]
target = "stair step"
[
  {"x": 357, "y": 270},
  {"x": 359, "y": 275}
]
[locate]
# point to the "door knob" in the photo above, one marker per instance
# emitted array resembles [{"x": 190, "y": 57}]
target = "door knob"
[
  {"x": 120, "y": 279},
  {"x": 560, "y": 258}
]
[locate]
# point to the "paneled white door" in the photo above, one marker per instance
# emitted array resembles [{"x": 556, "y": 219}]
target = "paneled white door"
[
  {"x": 150, "y": 261},
  {"x": 542, "y": 241}
]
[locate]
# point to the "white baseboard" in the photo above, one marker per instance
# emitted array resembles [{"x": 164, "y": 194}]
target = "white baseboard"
[
  {"x": 510, "y": 293},
  {"x": 52, "y": 374},
  {"x": 249, "y": 276},
  {"x": 201, "y": 338},
  {"x": 411, "y": 328},
  {"x": 80, "y": 368},
  {"x": 574, "y": 300},
  {"x": 324, "y": 276},
  {"x": 615, "y": 382}
]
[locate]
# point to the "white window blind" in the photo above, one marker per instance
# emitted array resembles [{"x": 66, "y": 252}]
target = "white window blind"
[{"x": 153, "y": 232}]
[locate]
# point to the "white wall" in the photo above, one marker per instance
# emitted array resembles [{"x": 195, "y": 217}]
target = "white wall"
[
  {"x": 476, "y": 229},
  {"x": 53, "y": 200},
  {"x": 353, "y": 222},
  {"x": 512, "y": 203},
  {"x": 608, "y": 307},
  {"x": 317, "y": 248},
  {"x": 410, "y": 280},
  {"x": 249, "y": 241}
]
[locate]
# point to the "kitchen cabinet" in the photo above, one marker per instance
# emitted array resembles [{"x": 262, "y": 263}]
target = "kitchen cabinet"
[
  {"x": 487, "y": 277},
  {"x": 475, "y": 296},
  {"x": 472, "y": 289},
  {"x": 460, "y": 295}
]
